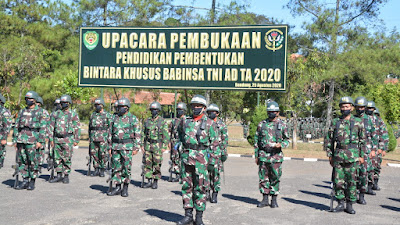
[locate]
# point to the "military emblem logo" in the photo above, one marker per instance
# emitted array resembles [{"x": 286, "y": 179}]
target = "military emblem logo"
[
  {"x": 274, "y": 39},
  {"x": 91, "y": 39}
]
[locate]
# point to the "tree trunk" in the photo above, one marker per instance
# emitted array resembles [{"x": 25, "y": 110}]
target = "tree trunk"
[{"x": 330, "y": 103}]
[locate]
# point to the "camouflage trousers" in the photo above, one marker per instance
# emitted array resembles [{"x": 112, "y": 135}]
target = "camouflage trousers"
[
  {"x": 365, "y": 174},
  {"x": 98, "y": 152},
  {"x": 377, "y": 167},
  {"x": 152, "y": 166},
  {"x": 345, "y": 181},
  {"x": 175, "y": 160},
  {"x": 214, "y": 171},
  {"x": 269, "y": 175},
  {"x": 40, "y": 155},
  {"x": 194, "y": 186},
  {"x": 122, "y": 166},
  {"x": 2, "y": 154},
  {"x": 63, "y": 157},
  {"x": 29, "y": 166}
]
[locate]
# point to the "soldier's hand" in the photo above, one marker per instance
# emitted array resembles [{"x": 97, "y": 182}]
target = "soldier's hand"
[
  {"x": 256, "y": 160},
  {"x": 163, "y": 150},
  {"x": 15, "y": 146},
  {"x": 380, "y": 151},
  {"x": 142, "y": 148},
  {"x": 278, "y": 145},
  {"x": 3, "y": 142},
  {"x": 52, "y": 144},
  {"x": 75, "y": 143},
  {"x": 109, "y": 152},
  {"x": 361, "y": 160},
  {"x": 372, "y": 154},
  {"x": 330, "y": 161},
  {"x": 383, "y": 153},
  {"x": 38, "y": 145},
  {"x": 134, "y": 152}
]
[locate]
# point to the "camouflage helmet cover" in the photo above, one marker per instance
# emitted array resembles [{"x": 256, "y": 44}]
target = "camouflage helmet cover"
[
  {"x": 272, "y": 106},
  {"x": 212, "y": 107}
]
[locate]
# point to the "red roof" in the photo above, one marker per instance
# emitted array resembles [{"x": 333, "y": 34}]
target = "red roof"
[{"x": 145, "y": 97}]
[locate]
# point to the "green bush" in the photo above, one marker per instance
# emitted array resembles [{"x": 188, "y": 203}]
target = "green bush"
[
  {"x": 259, "y": 115},
  {"x": 392, "y": 139}
]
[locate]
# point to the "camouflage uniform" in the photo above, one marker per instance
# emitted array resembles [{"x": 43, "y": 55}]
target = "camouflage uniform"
[
  {"x": 30, "y": 128},
  {"x": 5, "y": 127},
  {"x": 65, "y": 131},
  {"x": 41, "y": 152},
  {"x": 100, "y": 139},
  {"x": 174, "y": 140},
  {"x": 383, "y": 144}
]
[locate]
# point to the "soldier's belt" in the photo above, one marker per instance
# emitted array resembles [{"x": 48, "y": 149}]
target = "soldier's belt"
[
  {"x": 152, "y": 141},
  {"x": 345, "y": 147},
  {"x": 98, "y": 128},
  {"x": 270, "y": 150},
  {"x": 29, "y": 128},
  {"x": 64, "y": 136},
  {"x": 195, "y": 147},
  {"x": 122, "y": 141}
]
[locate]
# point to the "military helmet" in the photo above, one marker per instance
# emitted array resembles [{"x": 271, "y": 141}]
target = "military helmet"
[
  {"x": 57, "y": 101},
  {"x": 213, "y": 107},
  {"x": 371, "y": 104},
  {"x": 124, "y": 102},
  {"x": 361, "y": 101},
  {"x": 272, "y": 106},
  {"x": 40, "y": 100},
  {"x": 376, "y": 111},
  {"x": 99, "y": 101},
  {"x": 2, "y": 99},
  {"x": 155, "y": 105},
  {"x": 66, "y": 98},
  {"x": 346, "y": 100},
  {"x": 199, "y": 99},
  {"x": 32, "y": 94},
  {"x": 181, "y": 105}
]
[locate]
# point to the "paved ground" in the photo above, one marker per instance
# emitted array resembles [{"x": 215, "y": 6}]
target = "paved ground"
[{"x": 304, "y": 199}]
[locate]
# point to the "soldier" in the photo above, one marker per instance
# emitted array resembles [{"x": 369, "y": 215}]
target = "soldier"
[
  {"x": 99, "y": 136},
  {"x": 181, "y": 110},
  {"x": 347, "y": 132},
  {"x": 156, "y": 140},
  {"x": 271, "y": 136},
  {"x": 115, "y": 108},
  {"x": 375, "y": 148},
  {"x": 5, "y": 127},
  {"x": 365, "y": 169},
  {"x": 198, "y": 136},
  {"x": 383, "y": 145},
  {"x": 126, "y": 142},
  {"x": 217, "y": 158},
  {"x": 29, "y": 134},
  {"x": 65, "y": 131},
  {"x": 40, "y": 152}
]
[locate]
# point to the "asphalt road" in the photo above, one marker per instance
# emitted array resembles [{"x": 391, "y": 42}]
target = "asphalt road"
[{"x": 304, "y": 199}]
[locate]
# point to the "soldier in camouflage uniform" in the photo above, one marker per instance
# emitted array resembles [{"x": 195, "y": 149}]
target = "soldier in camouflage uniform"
[
  {"x": 366, "y": 168},
  {"x": 40, "y": 152},
  {"x": 375, "y": 147},
  {"x": 5, "y": 127},
  {"x": 271, "y": 136},
  {"x": 29, "y": 135},
  {"x": 65, "y": 129},
  {"x": 156, "y": 138},
  {"x": 126, "y": 142},
  {"x": 347, "y": 132},
  {"x": 181, "y": 110},
  {"x": 99, "y": 137},
  {"x": 383, "y": 145},
  {"x": 217, "y": 158},
  {"x": 199, "y": 137}
]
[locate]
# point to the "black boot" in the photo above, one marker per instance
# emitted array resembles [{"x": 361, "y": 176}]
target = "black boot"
[
  {"x": 96, "y": 172},
  {"x": 375, "y": 185},
  {"x": 208, "y": 196},
  {"x": 116, "y": 191},
  {"x": 361, "y": 199},
  {"x": 31, "y": 184},
  {"x": 214, "y": 197},
  {"x": 23, "y": 185},
  {"x": 274, "y": 204},
  {"x": 1, "y": 163},
  {"x": 370, "y": 191},
  {"x": 154, "y": 185},
  {"x": 199, "y": 218},
  {"x": 148, "y": 184},
  {"x": 340, "y": 206},
  {"x": 188, "y": 219},
  {"x": 176, "y": 179},
  {"x": 124, "y": 192},
  {"x": 349, "y": 208},
  {"x": 101, "y": 172},
  {"x": 264, "y": 202},
  {"x": 66, "y": 179},
  {"x": 56, "y": 179}
]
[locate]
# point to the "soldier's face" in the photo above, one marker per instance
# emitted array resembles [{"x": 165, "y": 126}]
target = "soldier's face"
[
  {"x": 360, "y": 107},
  {"x": 197, "y": 108},
  {"x": 346, "y": 107}
]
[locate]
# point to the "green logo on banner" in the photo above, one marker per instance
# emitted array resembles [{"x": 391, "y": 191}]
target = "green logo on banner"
[{"x": 90, "y": 39}]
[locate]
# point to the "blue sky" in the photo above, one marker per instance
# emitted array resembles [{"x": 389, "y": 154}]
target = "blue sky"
[{"x": 274, "y": 8}]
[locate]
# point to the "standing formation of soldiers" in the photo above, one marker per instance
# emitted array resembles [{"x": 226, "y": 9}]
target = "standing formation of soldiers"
[
  {"x": 307, "y": 128},
  {"x": 5, "y": 127}
]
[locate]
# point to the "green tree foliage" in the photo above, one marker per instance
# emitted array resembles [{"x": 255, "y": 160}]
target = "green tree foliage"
[
  {"x": 392, "y": 139},
  {"x": 260, "y": 114}
]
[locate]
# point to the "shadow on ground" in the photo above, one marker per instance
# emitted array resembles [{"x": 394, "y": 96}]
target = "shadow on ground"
[
  {"x": 83, "y": 172},
  {"x": 397, "y": 209},
  {"x": 177, "y": 193},
  {"x": 101, "y": 188},
  {"x": 314, "y": 205},
  {"x": 164, "y": 215},
  {"x": 322, "y": 186},
  {"x": 9, "y": 183},
  {"x": 318, "y": 194},
  {"x": 248, "y": 200},
  {"x": 395, "y": 199}
]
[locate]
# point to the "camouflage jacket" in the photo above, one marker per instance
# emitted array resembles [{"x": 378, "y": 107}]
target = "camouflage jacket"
[
  {"x": 125, "y": 132},
  {"x": 65, "y": 127},
  {"x": 30, "y": 126},
  {"x": 268, "y": 134},
  {"x": 5, "y": 123},
  {"x": 350, "y": 140},
  {"x": 382, "y": 134},
  {"x": 223, "y": 136},
  {"x": 156, "y": 135},
  {"x": 173, "y": 131},
  {"x": 100, "y": 127},
  {"x": 45, "y": 112},
  {"x": 371, "y": 140},
  {"x": 199, "y": 138}
]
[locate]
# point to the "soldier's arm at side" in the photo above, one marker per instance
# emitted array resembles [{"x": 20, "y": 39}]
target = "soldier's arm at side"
[
  {"x": 362, "y": 144},
  {"x": 285, "y": 136},
  {"x": 16, "y": 128},
  {"x": 165, "y": 136},
  {"x": 77, "y": 129},
  {"x": 137, "y": 140},
  {"x": 256, "y": 139}
]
